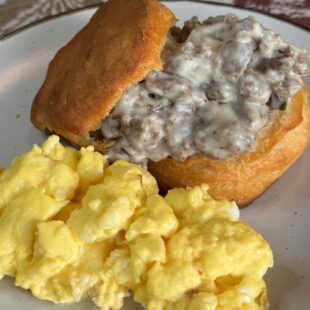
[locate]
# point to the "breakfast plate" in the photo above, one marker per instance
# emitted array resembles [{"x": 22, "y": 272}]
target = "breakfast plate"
[{"x": 280, "y": 215}]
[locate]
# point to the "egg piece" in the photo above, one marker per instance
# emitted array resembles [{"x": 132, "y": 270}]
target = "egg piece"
[
  {"x": 135, "y": 175},
  {"x": 54, "y": 150},
  {"x": 175, "y": 278},
  {"x": 18, "y": 223},
  {"x": 67, "y": 281},
  {"x": 77, "y": 280},
  {"x": 233, "y": 248},
  {"x": 226, "y": 257},
  {"x": 203, "y": 207},
  {"x": 36, "y": 170},
  {"x": 156, "y": 217},
  {"x": 243, "y": 294},
  {"x": 54, "y": 249},
  {"x": 107, "y": 207},
  {"x": 144, "y": 251},
  {"x": 90, "y": 168},
  {"x": 105, "y": 211},
  {"x": 116, "y": 277},
  {"x": 61, "y": 182},
  {"x": 187, "y": 244}
]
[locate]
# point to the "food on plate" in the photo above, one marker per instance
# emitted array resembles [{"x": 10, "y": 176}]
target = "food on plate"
[
  {"x": 220, "y": 101},
  {"x": 73, "y": 226},
  {"x": 119, "y": 46}
]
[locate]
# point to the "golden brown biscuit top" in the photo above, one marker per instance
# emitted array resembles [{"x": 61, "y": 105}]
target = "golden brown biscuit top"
[{"x": 117, "y": 48}]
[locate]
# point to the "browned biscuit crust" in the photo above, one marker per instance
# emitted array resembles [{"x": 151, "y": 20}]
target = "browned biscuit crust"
[
  {"x": 245, "y": 177},
  {"x": 118, "y": 47}
]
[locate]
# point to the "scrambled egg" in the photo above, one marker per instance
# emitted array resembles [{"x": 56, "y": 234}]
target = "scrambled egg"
[{"x": 73, "y": 227}]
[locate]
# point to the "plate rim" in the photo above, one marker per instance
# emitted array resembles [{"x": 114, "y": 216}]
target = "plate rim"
[{"x": 91, "y": 6}]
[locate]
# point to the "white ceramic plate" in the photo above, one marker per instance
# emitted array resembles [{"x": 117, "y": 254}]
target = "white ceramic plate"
[{"x": 282, "y": 214}]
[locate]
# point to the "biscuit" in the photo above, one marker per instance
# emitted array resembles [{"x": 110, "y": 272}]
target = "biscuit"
[{"x": 116, "y": 49}]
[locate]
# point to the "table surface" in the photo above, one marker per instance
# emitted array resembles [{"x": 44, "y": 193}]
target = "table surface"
[{"x": 15, "y": 14}]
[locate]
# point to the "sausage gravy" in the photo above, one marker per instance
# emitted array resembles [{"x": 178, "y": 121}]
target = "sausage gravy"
[{"x": 221, "y": 80}]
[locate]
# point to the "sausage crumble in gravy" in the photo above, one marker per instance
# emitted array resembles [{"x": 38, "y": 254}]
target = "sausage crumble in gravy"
[{"x": 221, "y": 80}]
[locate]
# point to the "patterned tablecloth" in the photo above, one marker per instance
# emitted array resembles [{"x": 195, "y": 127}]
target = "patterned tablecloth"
[{"x": 15, "y": 14}]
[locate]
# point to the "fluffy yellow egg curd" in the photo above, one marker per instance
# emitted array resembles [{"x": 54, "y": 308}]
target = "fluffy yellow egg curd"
[{"x": 72, "y": 226}]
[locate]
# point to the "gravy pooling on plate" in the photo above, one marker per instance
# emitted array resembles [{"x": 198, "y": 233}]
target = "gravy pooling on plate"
[{"x": 222, "y": 79}]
